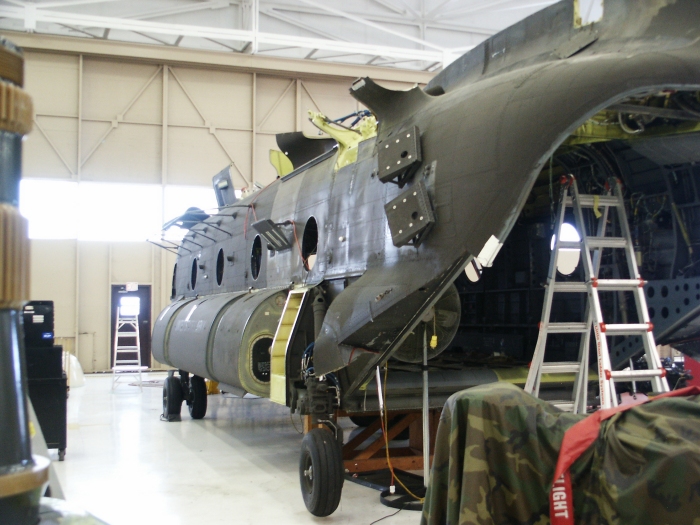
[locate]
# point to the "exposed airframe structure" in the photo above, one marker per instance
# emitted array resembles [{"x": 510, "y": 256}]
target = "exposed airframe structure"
[{"x": 299, "y": 291}]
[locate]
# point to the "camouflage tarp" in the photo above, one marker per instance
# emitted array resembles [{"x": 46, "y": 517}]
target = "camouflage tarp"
[{"x": 497, "y": 448}]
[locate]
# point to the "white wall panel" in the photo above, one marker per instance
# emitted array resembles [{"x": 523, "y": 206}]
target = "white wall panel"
[
  {"x": 132, "y": 262},
  {"x": 53, "y": 278},
  {"x": 181, "y": 111},
  {"x": 51, "y": 150},
  {"x": 109, "y": 88},
  {"x": 130, "y": 153},
  {"x": 52, "y": 80},
  {"x": 275, "y": 104},
  {"x": 94, "y": 312},
  {"x": 223, "y": 97},
  {"x": 195, "y": 156}
]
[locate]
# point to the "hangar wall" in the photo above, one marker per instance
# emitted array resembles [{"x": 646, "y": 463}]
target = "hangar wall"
[{"x": 102, "y": 117}]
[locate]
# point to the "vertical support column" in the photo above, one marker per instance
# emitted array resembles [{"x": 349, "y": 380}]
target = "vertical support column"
[
  {"x": 163, "y": 295},
  {"x": 79, "y": 167},
  {"x": 76, "y": 312},
  {"x": 426, "y": 413},
  {"x": 109, "y": 308},
  {"x": 298, "y": 104},
  {"x": 256, "y": 25},
  {"x": 21, "y": 476},
  {"x": 254, "y": 128}
]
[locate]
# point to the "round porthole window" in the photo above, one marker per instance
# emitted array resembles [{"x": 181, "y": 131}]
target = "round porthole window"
[
  {"x": 474, "y": 271},
  {"x": 260, "y": 358},
  {"x": 309, "y": 244},
  {"x": 568, "y": 257},
  {"x": 220, "y": 267},
  {"x": 193, "y": 277},
  {"x": 172, "y": 293},
  {"x": 256, "y": 257}
]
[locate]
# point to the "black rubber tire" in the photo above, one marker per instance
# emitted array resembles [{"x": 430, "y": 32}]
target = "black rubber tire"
[
  {"x": 172, "y": 397},
  {"x": 198, "y": 397},
  {"x": 321, "y": 472}
]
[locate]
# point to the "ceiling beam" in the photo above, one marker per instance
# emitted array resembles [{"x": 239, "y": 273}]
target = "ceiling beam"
[
  {"x": 475, "y": 8},
  {"x": 379, "y": 27},
  {"x": 391, "y": 7},
  {"x": 192, "y": 8},
  {"x": 301, "y": 25},
  {"x": 396, "y": 20},
  {"x": 66, "y": 3},
  {"x": 78, "y": 30},
  {"x": 158, "y": 28},
  {"x": 437, "y": 8}
]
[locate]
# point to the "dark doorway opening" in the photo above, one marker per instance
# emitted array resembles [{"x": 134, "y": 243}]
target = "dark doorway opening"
[{"x": 139, "y": 299}]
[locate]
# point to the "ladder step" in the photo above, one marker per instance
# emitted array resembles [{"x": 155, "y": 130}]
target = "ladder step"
[
  {"x": 603, "y": 285},
  {"x": 128, "y": 362},
  {"x": 619, "y": 285},
  {"x": 606, "y": 242},
  {"x": 569, "y": 245},
  {"x": 127, "y": 348},
  {"x": 570, "y": 287},
  {"x": 636, "y": 375},
  {"x": 566, "y": 328},
  {"x": 588, "y": 201},
  {"x": 128, "y": 368},
  {"x": 626, "y": 329},
  {"x": 594, "y": 243},
  {"x": 565, "y": 367}
]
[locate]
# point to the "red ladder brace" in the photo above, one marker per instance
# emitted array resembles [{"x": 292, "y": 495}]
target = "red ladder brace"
[{"x": 576, "y": 441}]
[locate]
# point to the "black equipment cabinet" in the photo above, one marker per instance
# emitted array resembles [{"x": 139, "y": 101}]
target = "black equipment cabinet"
[
  {"x": 38, "y": 324},
  {"x": 49, "y": 398},
  {"x": 47, "y": 383},
  {"x": 44, "y": 363}
]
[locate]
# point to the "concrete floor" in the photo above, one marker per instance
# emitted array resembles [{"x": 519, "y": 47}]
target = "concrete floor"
[{"x": 237, "y": 465}]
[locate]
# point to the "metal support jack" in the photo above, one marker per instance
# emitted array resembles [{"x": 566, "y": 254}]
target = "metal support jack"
[
  {"x": 426, "y": 413},
  {"x": 591, "y": 252}
]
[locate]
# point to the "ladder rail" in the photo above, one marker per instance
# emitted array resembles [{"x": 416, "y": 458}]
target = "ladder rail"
[
  {"x": 532, "y": 384},
  {"x": 581, "y": 383},
  {"x": 589, "y": 269}
]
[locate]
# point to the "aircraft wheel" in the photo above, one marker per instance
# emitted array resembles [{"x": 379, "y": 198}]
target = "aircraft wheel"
[
  {"x": 198, "y": 397},
  {"x": 172, "y": 397},
  {"x": 321, "y": 472}
]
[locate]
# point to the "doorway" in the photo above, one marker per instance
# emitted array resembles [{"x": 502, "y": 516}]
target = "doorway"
[{"x": 138, "y": 300}]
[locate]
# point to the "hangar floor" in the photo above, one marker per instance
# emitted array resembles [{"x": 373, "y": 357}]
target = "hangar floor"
[{"x": 237, "y": 465}]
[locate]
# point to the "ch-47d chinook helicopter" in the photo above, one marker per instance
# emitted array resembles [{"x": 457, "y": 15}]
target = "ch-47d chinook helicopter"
[{"x": 348, "y": 261}]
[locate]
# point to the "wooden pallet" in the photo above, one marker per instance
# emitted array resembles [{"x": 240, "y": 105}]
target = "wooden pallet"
[{"x": 373, "y": 456}]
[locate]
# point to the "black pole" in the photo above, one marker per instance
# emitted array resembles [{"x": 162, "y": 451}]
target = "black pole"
[{"x": 21, "y": 478}]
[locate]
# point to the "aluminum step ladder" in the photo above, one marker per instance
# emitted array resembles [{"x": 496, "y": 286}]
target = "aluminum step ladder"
[
  {"x": 127, "y": 349},
  {"x": 591, "y": 253}
]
